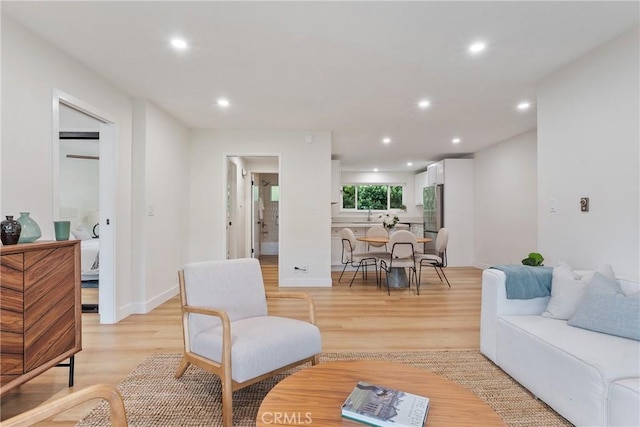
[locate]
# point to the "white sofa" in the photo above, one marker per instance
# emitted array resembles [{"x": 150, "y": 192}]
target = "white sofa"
[{"x": 590, "y": 378}]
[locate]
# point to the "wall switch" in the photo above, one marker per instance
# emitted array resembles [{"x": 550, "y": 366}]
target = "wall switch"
[
  {"x": 584, "y": 204},
  {"x": 149, "y": 209},
  {"x": 553, "y": 207}
]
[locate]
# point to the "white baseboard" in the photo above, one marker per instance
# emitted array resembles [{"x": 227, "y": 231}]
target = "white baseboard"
[
  {"x": 306, "y": 283},
  {"x": 481, "y": 265},
  {"x": 147, "y": 306}
]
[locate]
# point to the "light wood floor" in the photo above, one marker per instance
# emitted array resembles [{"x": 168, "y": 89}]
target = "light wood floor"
[{"x": 360, "y": 318}]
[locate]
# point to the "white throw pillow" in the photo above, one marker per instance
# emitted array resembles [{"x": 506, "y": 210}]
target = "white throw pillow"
[
  {"x": 81, "y": 233},
  {"x": 567, "y": 290}
]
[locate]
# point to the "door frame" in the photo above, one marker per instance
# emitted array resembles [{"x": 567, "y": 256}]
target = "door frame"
[{"x": 107, "y": 287}]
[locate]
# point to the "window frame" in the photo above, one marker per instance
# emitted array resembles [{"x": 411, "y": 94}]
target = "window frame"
[{"x": 389, "y": 185}]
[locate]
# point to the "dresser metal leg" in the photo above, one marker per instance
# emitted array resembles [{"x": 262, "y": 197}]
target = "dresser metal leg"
[
  {"x": 71, "y": 369},
  {"x": 71, "y": 366}
]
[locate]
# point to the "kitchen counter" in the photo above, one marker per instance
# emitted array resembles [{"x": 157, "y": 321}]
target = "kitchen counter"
[
  {"x": 357, "y": 222},
  {"x": 354, "y": 224}
]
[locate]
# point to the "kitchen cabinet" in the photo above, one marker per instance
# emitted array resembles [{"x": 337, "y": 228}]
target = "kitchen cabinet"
[
  {"x": 420, "y": 181},
  {"x": 431, "y": 175},
  {"x": 440, "y": 170},
  {"x": 40, "y": 308},
  {"x": 435, "y": 173}
]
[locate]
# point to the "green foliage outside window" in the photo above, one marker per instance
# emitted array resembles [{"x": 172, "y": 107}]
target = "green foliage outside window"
[
  {"x": 349, "y": 197},
  {"x": 372, "y": 196},
  {"x": 396, "y": 197}
]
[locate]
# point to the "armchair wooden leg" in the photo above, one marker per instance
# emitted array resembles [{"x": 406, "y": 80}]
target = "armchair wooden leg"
[
  {"x": 227, "y": 402},
  {"x": 316, "y": 359},
  {"x": 182, "y": 367}
]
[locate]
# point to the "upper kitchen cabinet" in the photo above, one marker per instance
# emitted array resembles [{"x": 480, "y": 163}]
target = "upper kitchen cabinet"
[
  {"x": 435, "y": 173},
  {"x": 420, "y": 181}
]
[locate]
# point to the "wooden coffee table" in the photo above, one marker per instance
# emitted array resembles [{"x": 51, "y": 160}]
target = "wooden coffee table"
[{"x": 313, "y": 396}]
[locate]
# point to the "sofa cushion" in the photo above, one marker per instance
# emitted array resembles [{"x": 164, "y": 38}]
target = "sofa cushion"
[
  {"x": 605, "y": 308},
  {"x": 260, "y": 344},
  {"x": 567, "y": 290}
]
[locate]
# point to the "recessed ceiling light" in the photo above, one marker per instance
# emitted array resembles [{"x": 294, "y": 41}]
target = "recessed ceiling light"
[
  {"x": 375, "y": 169},
  {"x": 409, "y": 164},
  {"x": 386, "y": 140},
  {"x": 424, "y": 104},
  {"x": 222, "y": 102},
  {"x": 456, "y": 140},
  {"x": 477, "y": 47},
  {"x": 524, "y": 106},
  {"x": 179, "y": 44}
]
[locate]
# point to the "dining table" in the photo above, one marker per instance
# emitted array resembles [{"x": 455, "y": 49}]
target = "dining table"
[{"x": 397, "y": 277}]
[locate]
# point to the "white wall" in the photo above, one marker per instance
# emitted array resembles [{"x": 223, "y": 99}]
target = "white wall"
[
  {"x": 160, "y": 212},
  {"x": 305, "y": 207},
  {"x": 31, "y": 70},
  {"x": 459, "y": 211},
  {"x": 506, "y": 201},
  {"x": 588, "y": 146}
]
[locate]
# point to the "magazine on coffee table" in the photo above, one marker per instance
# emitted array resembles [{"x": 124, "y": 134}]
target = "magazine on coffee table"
[{"x": 385, "y": 407}]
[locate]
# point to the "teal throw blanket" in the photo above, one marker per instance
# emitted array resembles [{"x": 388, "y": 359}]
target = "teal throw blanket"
[{"x": 526, "y": 282}]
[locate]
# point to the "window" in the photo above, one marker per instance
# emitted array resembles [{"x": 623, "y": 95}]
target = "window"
[
  {"x": 275, "y": 193},
  {"x": 376, "y": 197}
]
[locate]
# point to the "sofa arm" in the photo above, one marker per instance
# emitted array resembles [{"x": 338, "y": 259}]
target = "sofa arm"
[{"x": 495, "y": 304}]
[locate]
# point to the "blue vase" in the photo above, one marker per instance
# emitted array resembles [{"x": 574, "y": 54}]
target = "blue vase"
[{"x": 30, "y": 229}]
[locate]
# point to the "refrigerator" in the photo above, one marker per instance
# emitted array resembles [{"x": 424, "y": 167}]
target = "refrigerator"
[{"x": 433, "y": 214}]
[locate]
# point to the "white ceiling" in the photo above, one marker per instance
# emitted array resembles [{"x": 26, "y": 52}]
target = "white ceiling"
[{"x": 356, "y": 69}]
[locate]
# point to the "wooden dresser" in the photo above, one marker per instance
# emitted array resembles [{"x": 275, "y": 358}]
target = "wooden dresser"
[{"x": 40, "y": 309}]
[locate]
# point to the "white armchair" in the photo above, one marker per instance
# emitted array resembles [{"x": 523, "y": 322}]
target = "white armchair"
[{"x": 228, "y": 332}]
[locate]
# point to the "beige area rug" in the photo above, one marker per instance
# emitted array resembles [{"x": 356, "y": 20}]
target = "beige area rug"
[{"x": 153, "y": 397}]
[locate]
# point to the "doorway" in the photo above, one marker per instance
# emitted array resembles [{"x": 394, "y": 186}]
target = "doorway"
[
  {"x": 253, "y": 207},
  {"x": 79, "y": 194},
  {"x": 83, "y": 193}
]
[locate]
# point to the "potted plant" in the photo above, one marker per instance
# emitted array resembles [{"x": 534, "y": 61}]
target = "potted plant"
[{"x": 534, "y": 259}]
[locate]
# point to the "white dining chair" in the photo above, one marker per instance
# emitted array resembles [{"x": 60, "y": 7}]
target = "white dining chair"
[
  {"x": 402, "y": 255},
  {"x": 438, "y": 260},
  {"x": 377, "y": 231},
  {"x": 356, "y": 259}
]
